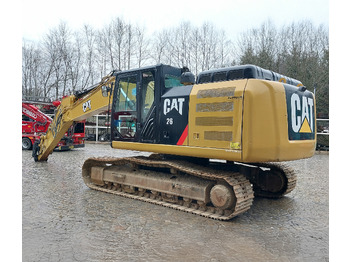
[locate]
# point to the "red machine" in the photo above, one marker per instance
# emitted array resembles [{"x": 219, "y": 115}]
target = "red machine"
[{"x": 35, "y": 123}]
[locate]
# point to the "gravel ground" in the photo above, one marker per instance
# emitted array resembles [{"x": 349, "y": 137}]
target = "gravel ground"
[{"x": 63, "y": 220}]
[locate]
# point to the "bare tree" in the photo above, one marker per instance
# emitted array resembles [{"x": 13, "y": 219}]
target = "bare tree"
[
  {"x": 142, "y": 46},
  {"x": 118, "y": 36},
  {"x": 179, "y": 44},
  {"x": 160, "y": 42},
  {"x": 195, "y": 50},
  {"x": 106, "y": 43},
  {"x": 299, "y": 50},
  {"x": 87, "y": 46},
  {"x": 222, "y": 52},
  {"x": 66, "y": 60}
]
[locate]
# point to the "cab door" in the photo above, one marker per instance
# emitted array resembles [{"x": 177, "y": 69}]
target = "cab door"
[
  {"x": 124, "y": 108},
  {"x": 147, "y": 113},
  {"x": 133, "y": 110}
]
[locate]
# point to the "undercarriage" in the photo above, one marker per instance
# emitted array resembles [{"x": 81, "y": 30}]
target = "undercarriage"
[{"x": 216, "y": 190}]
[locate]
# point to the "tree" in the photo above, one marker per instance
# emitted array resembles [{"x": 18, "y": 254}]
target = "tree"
[
  {"x": 258, "y": 46},
  {"x": 66, "y": 60},
  {"x": 142, "y": 46},
  {"x": 299, "y": 50}
]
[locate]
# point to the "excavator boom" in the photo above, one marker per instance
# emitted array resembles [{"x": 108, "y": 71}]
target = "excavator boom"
[{"x": 73, "y": 108}]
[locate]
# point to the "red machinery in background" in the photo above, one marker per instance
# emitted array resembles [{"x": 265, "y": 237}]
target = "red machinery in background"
[{"x": 35, "y": 123}]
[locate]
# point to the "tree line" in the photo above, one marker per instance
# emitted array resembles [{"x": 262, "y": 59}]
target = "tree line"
[{"x": 64, "y": 61}]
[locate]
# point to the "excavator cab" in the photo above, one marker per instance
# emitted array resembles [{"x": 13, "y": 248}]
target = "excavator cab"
[{"x": 136, "y": 106}]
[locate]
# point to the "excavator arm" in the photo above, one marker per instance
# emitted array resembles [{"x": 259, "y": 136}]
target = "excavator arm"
[{"x": 74, "y": 108}]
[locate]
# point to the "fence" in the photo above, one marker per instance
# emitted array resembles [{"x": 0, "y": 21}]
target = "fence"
[{"x": 322, "y": 134}]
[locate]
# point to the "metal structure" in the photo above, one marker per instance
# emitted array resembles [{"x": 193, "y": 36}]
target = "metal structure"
[
  {"x": 95, "y": 131},
  {"x": 322, "y": 134}
]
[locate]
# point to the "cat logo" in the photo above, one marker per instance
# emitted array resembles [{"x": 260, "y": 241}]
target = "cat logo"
[
  {"x": 301, "y": 114},
  {"x": 175, "y": 103},
  {"x": 87, "y": 106}
]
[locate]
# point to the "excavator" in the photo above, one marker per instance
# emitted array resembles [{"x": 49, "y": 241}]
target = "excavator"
[{"x": 215, "y": 142}]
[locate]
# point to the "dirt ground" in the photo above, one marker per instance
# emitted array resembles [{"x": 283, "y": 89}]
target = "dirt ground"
[{"x": 63, "y": 220}]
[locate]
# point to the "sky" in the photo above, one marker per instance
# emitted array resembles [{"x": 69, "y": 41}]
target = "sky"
[{"x": 233, "y": 16}]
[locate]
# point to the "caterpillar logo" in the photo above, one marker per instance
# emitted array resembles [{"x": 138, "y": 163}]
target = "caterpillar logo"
[
  {"x": 301, "y": 114},
  {"x": 175, "y": 103},
  {"x": 87, "y": 106}
]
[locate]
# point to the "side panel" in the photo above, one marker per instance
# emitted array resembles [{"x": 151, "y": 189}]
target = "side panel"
[
  {"x": 267, "y": 121},
  {"x": 216, "y": 116},
  {"x": 174, "y": 116}
]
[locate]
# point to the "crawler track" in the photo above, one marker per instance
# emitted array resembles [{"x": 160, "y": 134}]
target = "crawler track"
[
  {"x": 286, "y": 173},
  {"x": 241, "y": 186},
  {"x": 271, "y": 180}
]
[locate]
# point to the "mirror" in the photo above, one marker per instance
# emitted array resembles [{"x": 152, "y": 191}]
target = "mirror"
[{"x": 105, "y": 90}]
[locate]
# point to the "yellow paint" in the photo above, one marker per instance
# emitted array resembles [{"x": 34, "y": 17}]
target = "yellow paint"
[
  {"x": 283, "y": 80},
  {"x": 253, "y": 129},
  {"x": 72, "y": 109},
  {"x": 201, "y": 152},
  {"x": 235, "y": 145},
  {"x": 265, "y": 125},
  {"x": 305, "y": 127},
  {"x": 215, "y": 119},
  {"x": 259, "y": 125}
]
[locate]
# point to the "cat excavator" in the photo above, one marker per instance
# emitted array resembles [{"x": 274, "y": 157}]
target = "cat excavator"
[{"x": 216, "y": 142}]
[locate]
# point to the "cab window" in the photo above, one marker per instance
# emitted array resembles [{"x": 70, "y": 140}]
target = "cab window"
[
  {"x": 126, "y": 94},
  {"x": 171, "y": 81},
  {"x": 124, "y": 117},
  {"x": 147, "y": 89}
]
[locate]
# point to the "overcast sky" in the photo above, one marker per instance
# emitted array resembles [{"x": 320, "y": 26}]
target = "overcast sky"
[{"x": 234, "y": 16}]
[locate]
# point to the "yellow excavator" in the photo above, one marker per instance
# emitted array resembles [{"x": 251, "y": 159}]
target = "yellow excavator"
[{"x": 216, "y": 141}]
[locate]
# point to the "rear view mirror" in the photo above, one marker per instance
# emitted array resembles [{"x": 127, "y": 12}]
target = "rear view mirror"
[{"x": 105, "y": 90}]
